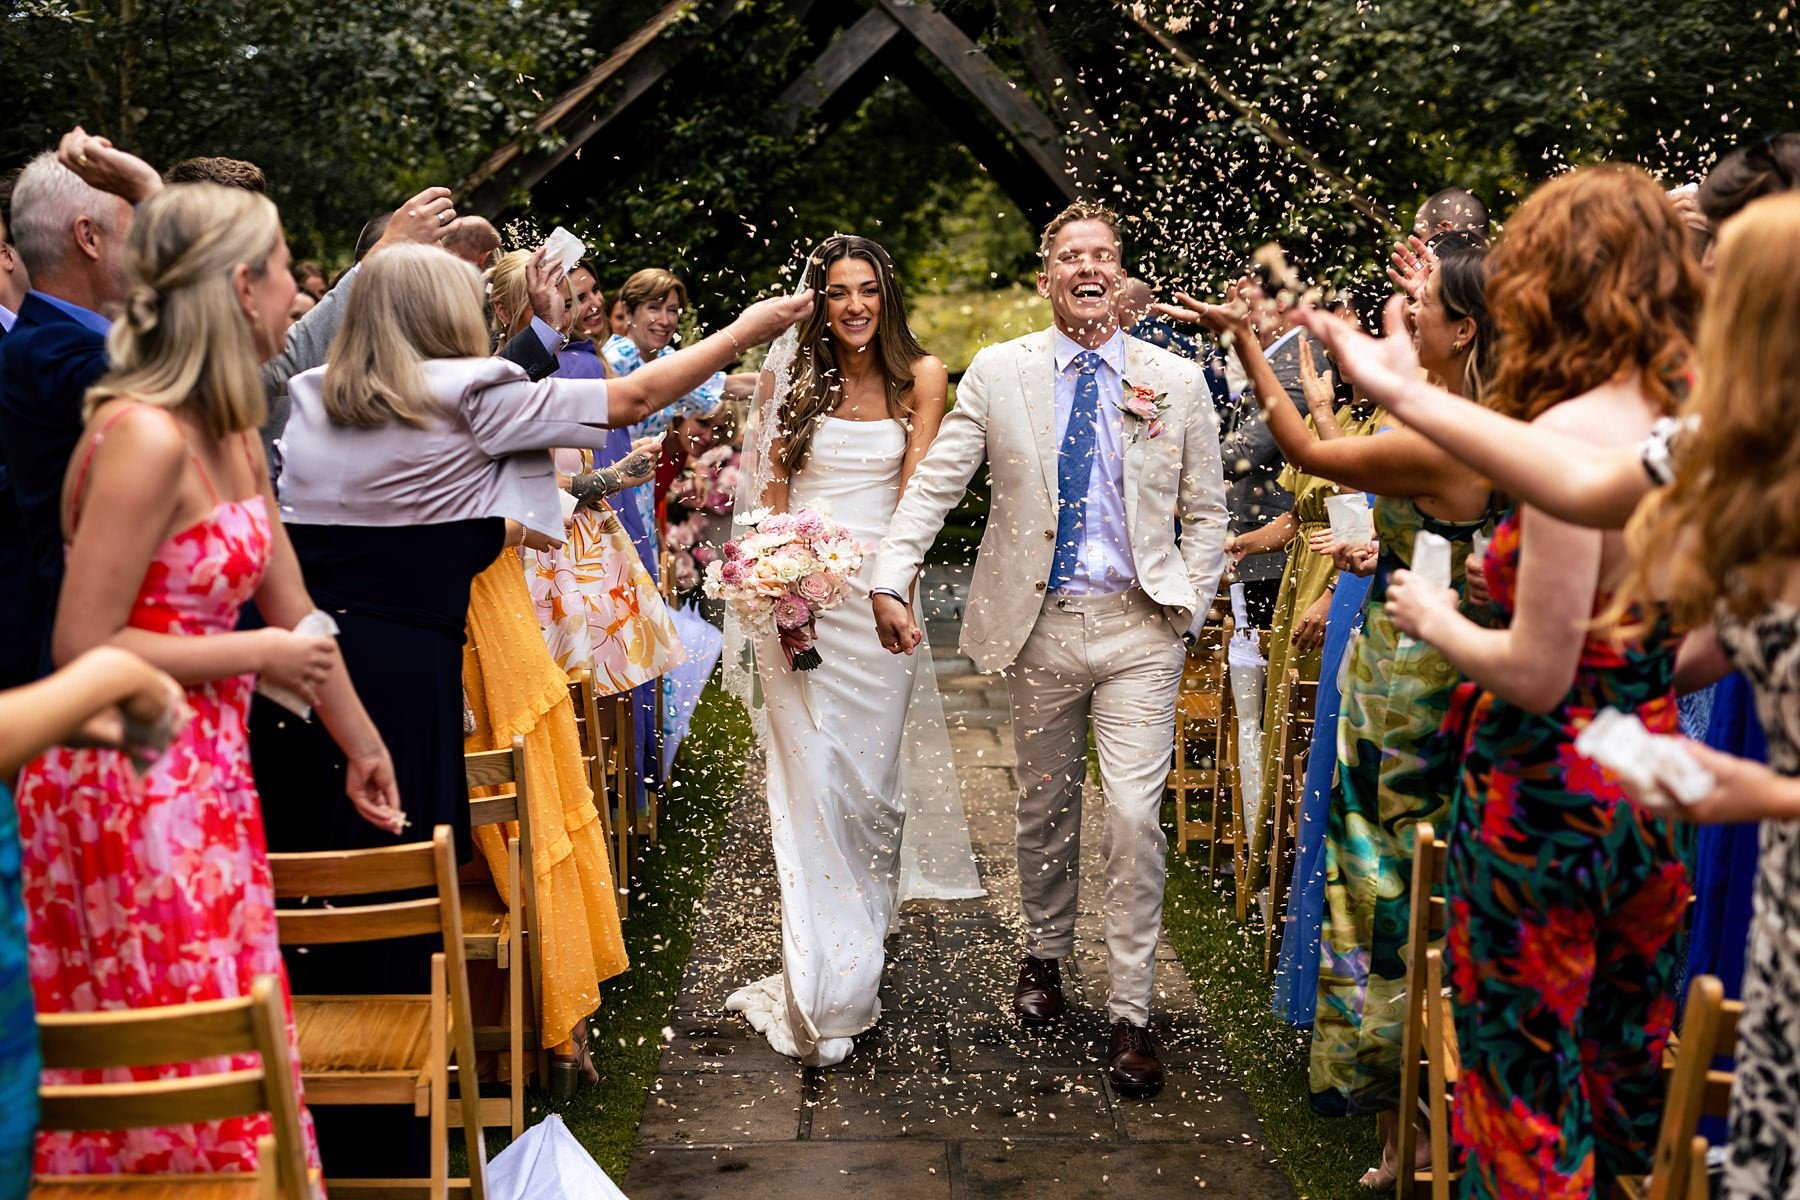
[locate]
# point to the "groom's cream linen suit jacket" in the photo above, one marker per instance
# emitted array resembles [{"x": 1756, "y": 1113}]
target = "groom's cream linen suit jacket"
[{"x": 1006, "y": 414}]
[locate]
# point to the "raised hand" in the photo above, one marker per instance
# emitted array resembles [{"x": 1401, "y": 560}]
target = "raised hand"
[
  {"x": 1319, "y": 389},
  {"x": 1230, "y": 320},
  {"x": 426, "y": 219},
  {"x": 766, "y": 319},
  {"x": 106, "y": 168},
  {"x": 1386, "y": 369},
  {"x": 1411, "y": 267},
  {"x": 543, "y": 286}
]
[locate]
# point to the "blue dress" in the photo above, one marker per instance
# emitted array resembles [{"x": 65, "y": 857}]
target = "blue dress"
[
  {"x": 1297, "y": 974},
  {"x": 18, "y": 1028},
  {"x": 1726, "y": 859}
]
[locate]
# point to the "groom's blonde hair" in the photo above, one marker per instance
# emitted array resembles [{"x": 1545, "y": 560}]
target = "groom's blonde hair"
[{"x": 1081, "y": 210}]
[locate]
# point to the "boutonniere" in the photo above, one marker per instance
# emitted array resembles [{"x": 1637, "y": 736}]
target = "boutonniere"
[{"x": 1146, "y": 406}]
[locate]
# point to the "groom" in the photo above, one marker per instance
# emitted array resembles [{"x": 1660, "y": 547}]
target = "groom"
[{"x": 1103, "y": 551}]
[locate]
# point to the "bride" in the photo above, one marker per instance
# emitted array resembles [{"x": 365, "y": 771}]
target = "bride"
[{"x": 856, "y": 748}]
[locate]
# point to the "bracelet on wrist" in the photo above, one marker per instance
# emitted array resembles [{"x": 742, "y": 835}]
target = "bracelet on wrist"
[{"x": 737, "y": 347}]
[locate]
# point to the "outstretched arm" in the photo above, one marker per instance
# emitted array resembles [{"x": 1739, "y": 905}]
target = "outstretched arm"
[{"x": 1564, "y": 476}]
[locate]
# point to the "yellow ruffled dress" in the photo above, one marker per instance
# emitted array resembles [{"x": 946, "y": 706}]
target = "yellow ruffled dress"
[{"x": 514, "y": 688}]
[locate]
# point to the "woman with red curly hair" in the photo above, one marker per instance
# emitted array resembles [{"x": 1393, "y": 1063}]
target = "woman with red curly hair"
[{"x": 1564, "y": 897}]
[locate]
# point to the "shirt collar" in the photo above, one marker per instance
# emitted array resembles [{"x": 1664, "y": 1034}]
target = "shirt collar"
[
  {"x": 1281, "y": 341},
  {"x": 7, "y": 317},
  {"x": 85, "y": 316},
  {"x": 1064, "y": 349}
]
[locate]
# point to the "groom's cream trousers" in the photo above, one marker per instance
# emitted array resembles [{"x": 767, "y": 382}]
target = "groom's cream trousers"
[{"x": 1114, "y": 661}]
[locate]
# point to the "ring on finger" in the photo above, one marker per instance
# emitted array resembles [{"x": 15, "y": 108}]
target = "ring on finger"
[{"x": 445, "y": 217}]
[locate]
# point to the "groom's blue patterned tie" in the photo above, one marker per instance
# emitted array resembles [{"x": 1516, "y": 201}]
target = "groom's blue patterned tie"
[{"x": 1074, "y": 467}]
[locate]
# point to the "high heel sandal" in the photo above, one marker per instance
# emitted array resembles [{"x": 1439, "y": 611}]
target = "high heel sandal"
[{"x": 569, "y": 1071}]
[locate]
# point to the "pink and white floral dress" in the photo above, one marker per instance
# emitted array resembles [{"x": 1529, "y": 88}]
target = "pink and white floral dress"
[{"x": 151, "y": 888}]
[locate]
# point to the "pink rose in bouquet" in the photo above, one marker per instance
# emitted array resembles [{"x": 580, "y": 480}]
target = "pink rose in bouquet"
[{"x": 816, "y": 589}]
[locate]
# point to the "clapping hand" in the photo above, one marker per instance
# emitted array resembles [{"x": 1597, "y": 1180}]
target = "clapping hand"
[{"x": 1231, "y": 321}]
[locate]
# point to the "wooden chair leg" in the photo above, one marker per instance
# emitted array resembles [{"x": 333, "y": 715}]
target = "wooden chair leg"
[
  {"x": 515, "y": 999},
  {"x": 439, "y": 1115},
  {"x": 1442, "y": 1167}
]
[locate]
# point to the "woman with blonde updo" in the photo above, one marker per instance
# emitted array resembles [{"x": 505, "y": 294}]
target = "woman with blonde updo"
[{"x": 152, "y": 887}]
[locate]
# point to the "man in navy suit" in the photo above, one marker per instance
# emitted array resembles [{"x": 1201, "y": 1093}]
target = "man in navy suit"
[
  {"x": 72, "y": 241},
  {"x": 18, "y": 658}
]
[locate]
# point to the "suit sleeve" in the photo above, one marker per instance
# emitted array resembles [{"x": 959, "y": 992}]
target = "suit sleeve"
[
  {"x": 1202, "y": 500},
  {"x": 938, "y": 483},
  {"x": 528, "y": 350},
  {"x": 309, "y": 341}
]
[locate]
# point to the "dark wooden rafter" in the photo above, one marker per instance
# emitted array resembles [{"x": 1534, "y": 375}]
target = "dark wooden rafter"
[
  {"x": 1026, "y": 155},
  {"x": 1089, "y": 160},
  {"x": 631, "y": 70}
]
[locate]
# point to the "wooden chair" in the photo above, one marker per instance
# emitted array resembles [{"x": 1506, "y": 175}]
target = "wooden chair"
[
  {"x": 388, "y": 1049},
  {"x": 1199, "y": 714},
  {"x": 1443, "y": 1066},
  {"x": 178, "y": 1033},
  {"x": 503, "y": 930},
  {"x": 1696, "y": 1089},
  {"x": 593, "y": 760},
  {"x": 618, "y": 750},
  {"x": 1290, "y": 759},
  {"x": 1428, "y": 1038}
]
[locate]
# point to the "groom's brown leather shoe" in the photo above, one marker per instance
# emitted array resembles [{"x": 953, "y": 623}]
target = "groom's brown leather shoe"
[
  {"x": 1132, "y": 1065},
  {"x": 1038, "y": 1000}
]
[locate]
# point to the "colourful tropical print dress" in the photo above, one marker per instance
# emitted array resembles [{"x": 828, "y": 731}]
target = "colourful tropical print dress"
[
  {"x": 1394, "y": 700},
  {"x": 153, "y": 887},
  {"x": 1564, "y": 902},
  {"x": 624, "y": 357}
]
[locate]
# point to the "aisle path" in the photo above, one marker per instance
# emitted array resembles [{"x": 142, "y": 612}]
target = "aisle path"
[{"x": 947, "y": 1098}]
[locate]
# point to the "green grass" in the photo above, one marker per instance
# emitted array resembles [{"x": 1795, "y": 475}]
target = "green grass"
[
  {"x": 1323, "y": 1156},
  {"x": 955, "y": 325},
  {"x": 634, "y": 1007}
]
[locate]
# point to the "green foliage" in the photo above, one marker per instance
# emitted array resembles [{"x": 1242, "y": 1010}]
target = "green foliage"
[{"x": 349, "y": 106}]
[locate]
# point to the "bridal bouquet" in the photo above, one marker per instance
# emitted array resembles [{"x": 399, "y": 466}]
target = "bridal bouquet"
[{"x": 781, "y": 574}]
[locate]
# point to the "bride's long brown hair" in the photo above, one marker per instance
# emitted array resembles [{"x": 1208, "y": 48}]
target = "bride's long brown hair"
[
  {"x": 1730, "y": 523},
  {"x": 816, "y": 366}
]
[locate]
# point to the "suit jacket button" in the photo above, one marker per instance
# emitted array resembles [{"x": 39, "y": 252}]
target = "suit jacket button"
[{"x": 1039, "y": 585}]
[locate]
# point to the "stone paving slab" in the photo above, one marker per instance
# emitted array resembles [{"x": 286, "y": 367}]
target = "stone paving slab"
[{"x": 947, "y": 1096}]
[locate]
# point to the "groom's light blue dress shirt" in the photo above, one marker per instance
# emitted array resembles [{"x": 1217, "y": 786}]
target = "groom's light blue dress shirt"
[{"x": 1104, "y": 565}]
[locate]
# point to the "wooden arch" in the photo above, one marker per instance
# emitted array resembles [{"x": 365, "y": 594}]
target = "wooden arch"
[{"x": 1038, "y": 158}]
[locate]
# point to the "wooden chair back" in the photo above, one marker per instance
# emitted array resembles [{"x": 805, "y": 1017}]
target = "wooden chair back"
[
  {"x": 593, "y": 758},
  {"x": 180, "y": 1033},
  {"x": 1293, "y": 743},
  {"x": 1196, "y": 776},
  {"x": 506, "y": 769},
  {"x": 1427, "y": 919},
  {"x": 1696, "y": 1088},
  {"x": 346, "y": 874},
  {"x": 618, "y": 748}
]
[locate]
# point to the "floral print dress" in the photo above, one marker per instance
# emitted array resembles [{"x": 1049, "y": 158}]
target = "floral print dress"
[
  {"x": 1564, "y": 903},
  {"x": 152, "y": 887}
]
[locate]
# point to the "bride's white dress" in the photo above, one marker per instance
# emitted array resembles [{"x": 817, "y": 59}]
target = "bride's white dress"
[{"x": 845, "y": 763}]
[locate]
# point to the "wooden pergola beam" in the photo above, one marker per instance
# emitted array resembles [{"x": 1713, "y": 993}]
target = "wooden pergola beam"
[
  {"x": 1022, "y": 121},
  {"x": 633, "y": 68},
  {"x": 849, "y": 53}
]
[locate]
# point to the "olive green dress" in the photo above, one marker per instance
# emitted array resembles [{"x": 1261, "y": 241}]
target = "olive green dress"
[{"x": 1304, "y": 580}]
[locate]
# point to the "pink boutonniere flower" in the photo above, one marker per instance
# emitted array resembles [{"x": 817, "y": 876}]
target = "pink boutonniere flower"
[{"x": 1146, "y": 406}]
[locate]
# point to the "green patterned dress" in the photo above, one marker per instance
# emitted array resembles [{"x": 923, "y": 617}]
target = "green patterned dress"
[{"x": 1394, "y": 700}]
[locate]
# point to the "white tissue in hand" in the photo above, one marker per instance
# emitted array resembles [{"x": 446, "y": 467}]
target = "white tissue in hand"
[
  {"x": 1431, "y": 558},
  {"x": 1653, "y": 763},
  {"x": 563, "y": 249},
  {"x": 1351, "y": 521},
  {"x": 317, "y": 623}
]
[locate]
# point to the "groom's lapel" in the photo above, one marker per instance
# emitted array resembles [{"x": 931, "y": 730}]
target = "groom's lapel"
[
  {"x": 1037, "y": 383},
  {"x": 1137, "y": 370}
]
